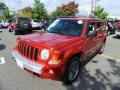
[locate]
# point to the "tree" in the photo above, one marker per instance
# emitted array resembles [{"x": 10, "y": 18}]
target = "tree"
[
  {"x": 100, "y": 13},
  {"x": 6, "y": 12},
  {"x": 2, "y": 5},
  {"x": 69, "y": 9},
  {"x": 39, "y": 11},
  {"x": 26, "y": 12}
]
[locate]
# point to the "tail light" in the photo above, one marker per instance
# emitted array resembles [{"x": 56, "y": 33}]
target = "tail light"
[{"x": 17, "y": 25}]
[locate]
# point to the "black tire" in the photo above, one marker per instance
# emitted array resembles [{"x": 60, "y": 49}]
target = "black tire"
[
  {"x": 15, "y": 32},
  {"x": 70, "y": 74},
  {"x": 9, "y": 30},
  {"x": 101, "y": 50},
  {"x": 30, "y": 31}
]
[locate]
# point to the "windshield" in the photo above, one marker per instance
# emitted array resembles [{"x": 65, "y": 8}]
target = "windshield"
[{"x": 66, "y": 27}]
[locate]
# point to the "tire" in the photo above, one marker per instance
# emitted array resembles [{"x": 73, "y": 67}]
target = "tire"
[
  {"x": 15, "y": 32},
  {"x": 9, "y": 30},
  {"x": 101, "y": 50},
  {"x": 72, "y": 70}
]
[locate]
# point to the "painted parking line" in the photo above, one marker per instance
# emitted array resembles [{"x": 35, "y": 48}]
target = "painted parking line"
[
  {"x": 2, "y": 60},
  {"x": 111, "y": 57}
]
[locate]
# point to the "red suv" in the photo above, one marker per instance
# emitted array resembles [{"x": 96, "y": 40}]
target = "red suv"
[{"x": 59, "y": 52}]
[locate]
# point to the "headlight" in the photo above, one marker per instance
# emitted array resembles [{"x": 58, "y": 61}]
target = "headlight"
[{"x": 45, "y": 54}]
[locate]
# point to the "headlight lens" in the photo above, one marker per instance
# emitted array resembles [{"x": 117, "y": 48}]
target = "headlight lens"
[{"x": 45, "y": 54}]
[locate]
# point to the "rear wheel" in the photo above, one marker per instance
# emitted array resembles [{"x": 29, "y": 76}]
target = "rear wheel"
[
  {"x": 101, "y": 50},
  {"x": 15, "y": 32},
  {"x": 72, "y": 71}
]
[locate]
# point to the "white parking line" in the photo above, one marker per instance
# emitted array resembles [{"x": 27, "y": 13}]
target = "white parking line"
[
  {"x": 2, "y": 60},
  {"x": 111, "y": 57}
]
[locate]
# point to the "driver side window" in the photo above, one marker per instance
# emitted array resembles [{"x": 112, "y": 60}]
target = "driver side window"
[{"x": 91, "y": 27}]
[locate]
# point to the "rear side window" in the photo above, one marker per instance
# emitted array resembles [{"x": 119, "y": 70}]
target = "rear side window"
[
  {"x": 36, "y": 20},
  {"x": 98, "y": 26},
  {"x": 23, "y": 20}
]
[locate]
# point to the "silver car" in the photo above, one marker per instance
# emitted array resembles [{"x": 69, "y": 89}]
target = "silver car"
[{"x": 36, "y": 24}]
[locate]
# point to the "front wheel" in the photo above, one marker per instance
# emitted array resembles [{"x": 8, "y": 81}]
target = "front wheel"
[{"x": 72, "y": 71}]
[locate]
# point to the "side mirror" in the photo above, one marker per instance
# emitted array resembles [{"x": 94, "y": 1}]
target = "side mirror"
[{"x": 92, "y": 33}]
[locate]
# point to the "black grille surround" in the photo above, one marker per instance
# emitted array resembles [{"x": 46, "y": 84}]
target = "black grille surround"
[{"x": 28, "y": 51}]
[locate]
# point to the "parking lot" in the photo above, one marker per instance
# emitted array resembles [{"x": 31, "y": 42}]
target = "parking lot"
[{"x": 101, "y": 73}]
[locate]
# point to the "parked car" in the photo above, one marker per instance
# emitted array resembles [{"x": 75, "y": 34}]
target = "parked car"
[
  {"x": 0, "y": 24},
  {"x": 117, "y": 28},
  {"x": 10, "y": 25},
  {"x": 36, "y": 24},
  {"x": 111, "y": 27},
  {"x": 59, "y": 52},
  {"x": 20, "y": 25},
  {"x": 4, "y": 23}
]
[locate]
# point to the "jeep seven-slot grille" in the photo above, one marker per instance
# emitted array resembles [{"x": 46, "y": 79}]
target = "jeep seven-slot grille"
[{"x": 28, "y": 51}]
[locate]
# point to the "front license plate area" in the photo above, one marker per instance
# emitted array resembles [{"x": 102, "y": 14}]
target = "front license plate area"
[{"x": 20, "y": 64}]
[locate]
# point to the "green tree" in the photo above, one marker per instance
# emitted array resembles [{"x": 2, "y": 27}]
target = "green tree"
[
  {"x": 26, "y": 12},
  {"x": 99, "y": 12},
  {"x": 39, "y": 11},
  {"x": 69, "y": 9},
  {"x": 2, "y": 5},
  {"x": 6, "y": 12}
]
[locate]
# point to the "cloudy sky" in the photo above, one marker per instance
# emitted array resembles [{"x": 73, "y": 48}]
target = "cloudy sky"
[{"x": 111, "y": 6}]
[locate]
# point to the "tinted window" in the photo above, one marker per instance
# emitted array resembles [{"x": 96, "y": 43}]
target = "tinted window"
[
  {"x": 23, "y": 20},
  {"x": 36, "y": 20},
  {"x": 66, "y": 27}
]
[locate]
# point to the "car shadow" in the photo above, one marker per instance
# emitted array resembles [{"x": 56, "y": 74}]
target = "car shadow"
[
  {"x": 2, "y": 47},
  {"x": 116, "y": 37},
  {"x": 1, "y": 31},
  {"x": 99, "y": 81}
]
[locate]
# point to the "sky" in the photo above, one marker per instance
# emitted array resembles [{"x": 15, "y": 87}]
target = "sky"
[{"x": 111, "y": 6}]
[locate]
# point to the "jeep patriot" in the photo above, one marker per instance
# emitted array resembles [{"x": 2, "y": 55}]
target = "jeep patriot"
[{"x": 59, "y": 52}]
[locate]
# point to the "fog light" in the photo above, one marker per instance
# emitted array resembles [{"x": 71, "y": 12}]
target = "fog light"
[{"x": 53, "y": 62}]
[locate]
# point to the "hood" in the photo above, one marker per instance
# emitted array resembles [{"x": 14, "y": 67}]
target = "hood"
[{"x": 51, "y": 40}]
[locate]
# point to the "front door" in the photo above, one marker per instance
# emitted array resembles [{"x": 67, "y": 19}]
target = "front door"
[{"x": 90, "y": 42}]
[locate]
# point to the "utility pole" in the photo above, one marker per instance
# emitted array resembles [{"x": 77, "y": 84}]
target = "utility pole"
[
  {"x": 91, "y": 7},
  {"x": 95, "y": 5}
]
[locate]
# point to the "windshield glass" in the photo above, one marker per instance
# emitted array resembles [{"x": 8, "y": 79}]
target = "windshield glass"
[{"x": 66, "y": 27}]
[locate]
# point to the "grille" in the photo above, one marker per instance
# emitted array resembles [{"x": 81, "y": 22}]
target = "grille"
[{"x": 28, "y": 51}]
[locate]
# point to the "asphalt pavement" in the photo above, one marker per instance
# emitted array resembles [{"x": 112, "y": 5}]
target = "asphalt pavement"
[{"x": 101, "y": 73}]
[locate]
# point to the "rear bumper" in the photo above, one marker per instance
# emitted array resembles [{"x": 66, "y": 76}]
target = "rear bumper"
[
  {"x": 23, "y": 29},
  {"x": 26, "y": 64},
  {"x": 117, "y": 33}
]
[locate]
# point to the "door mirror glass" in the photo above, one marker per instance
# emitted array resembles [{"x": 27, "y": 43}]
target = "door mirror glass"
[{"x": 92, "y": 33}]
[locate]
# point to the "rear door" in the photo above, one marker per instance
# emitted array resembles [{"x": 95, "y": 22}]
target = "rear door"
[{"x": 101, "y": 33}]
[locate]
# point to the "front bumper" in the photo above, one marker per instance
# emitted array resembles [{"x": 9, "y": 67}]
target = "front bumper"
[{"x": 27, "y": 64}]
